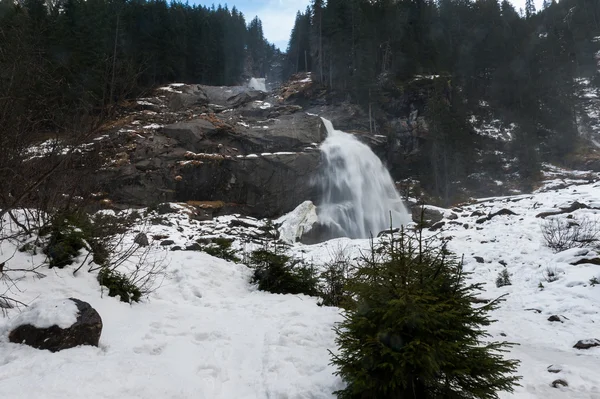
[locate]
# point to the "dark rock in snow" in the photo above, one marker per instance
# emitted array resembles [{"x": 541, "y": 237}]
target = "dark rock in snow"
[
  {"x": 593, "y": 261},
  {"x": 426, "y": 216},
  {"x": 554, "y": 369},
  {"x": 141, "y": 239},
  {"x": 437, "y": 226},
  {"x": 388, "y": 232},
  {"x": 479, "y": 259},
  {"x": 559, "y": 382},
  {"x": 556, "y": 318},
  {"x": 167, "y": 243},
  {"x": 85, "y": 331},
  {"x": 164, "y": 208},
  {"x": 194, "y": 247},
  {"x": 587, "y": 343},
  {"x": 571, "y": 208},
  {"x": 493, "y": 215}
]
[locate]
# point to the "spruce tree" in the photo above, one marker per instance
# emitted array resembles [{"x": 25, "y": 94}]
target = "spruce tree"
[{"x": 412, "y": 330}]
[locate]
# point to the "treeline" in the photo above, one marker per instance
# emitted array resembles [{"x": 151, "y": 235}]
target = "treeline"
[
  {"x": 83, "y": 55},
  {"x": 521, "y": 65}
]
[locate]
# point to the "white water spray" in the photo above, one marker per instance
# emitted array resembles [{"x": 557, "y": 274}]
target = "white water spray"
[
  {"x": 358, "y": 192},
  {"x": 257, "y": 84}
]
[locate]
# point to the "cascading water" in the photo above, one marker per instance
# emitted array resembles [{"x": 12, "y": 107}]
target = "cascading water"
[
  {"x": 257, "y": 84},
  {"x": 358, "y": 192}
]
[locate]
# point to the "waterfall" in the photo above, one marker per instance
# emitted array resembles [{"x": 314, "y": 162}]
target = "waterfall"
[
  {"x": 358, "y": 191},
  {"x": 257, "y": 84}
]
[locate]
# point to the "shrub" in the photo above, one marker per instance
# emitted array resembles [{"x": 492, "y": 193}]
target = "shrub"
[
  {"x": 221, "y": 248},
  {"x": 594, "y": 281},
  {"x": 279, "y": 274},
  {"x": 550, "y": 274},
  {"x": 503, "y": 278},
  {"x": 334, "y": 278},
  {"x": 64, "y": 242},
  {"x": 119, "y": 284},
  {"x": 561, "y": 234},
  {"x": 412, "y": 332}
]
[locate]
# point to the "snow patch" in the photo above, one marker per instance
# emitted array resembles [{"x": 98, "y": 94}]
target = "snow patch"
[{"x": 47, "y": 313}]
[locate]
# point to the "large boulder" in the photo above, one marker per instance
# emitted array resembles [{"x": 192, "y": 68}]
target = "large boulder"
[
  {"x": 231, "y": 96},
  {"x": 57, "y": 324},
  {"x": 427, "y": 215},
  {"x": 262, "y": 185},
  {"x": 291, "y": 132},
  {"x": 192, "y": 135},
  {"x": 182, "y": 97}
]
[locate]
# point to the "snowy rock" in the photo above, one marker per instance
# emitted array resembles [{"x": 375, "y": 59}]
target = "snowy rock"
[
  {"x": 559, "y": 382},
  {"x": 141, "y": 239},
  {"x": 501, "y": 212},
  {"x": 430, "y": 215},
  {"x": 587, "y": 343},
  {"x": 57, "y": 324},
  {"x": 298, "y": 222},
  {"x": 554, "y": 368}
]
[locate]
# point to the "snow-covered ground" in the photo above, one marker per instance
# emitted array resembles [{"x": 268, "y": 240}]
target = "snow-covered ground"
[{"x": 207, "y": 333}]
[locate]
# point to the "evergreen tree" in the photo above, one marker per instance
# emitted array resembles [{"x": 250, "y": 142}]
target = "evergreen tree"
[
  {"x": 413, "y": 331},
  {"x": 529, "y": 8}
]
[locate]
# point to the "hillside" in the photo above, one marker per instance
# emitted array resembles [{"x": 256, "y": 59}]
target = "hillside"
[{"x": 207, "y": 332}]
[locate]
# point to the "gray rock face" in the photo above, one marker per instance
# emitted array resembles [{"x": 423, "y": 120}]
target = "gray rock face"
[
  {"x": 231, "y": 97},
  {"x": 190, "y": 96},
  {"x": 286, "y": 133},
  {"x": 191, "y": 134},
  {"x": 429, "y": 216},
  {"x": 85, "y": 331},
  {"x": 264, "y": 186},
  {"x": 222, "y": 145}
]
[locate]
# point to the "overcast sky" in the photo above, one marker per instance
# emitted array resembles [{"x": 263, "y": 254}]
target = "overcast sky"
[{"x": 278, "y": 16}]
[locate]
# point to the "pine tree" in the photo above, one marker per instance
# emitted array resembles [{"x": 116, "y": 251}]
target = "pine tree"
[
  {"x": 529, "y": 8},
  {"x": 413, "y": 331}
]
